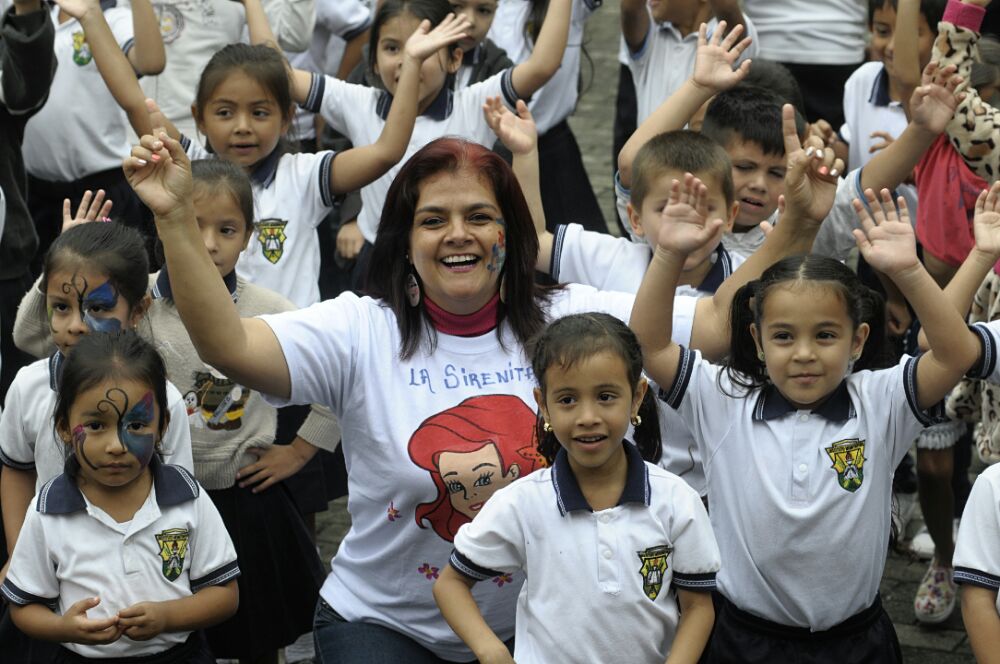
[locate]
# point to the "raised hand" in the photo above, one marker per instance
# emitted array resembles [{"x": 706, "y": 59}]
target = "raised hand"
[
  {"x": 886, "y": 239},
  {"x": 78, "y": 628},
  {"x": 713, "y": 64},
  {"x": 986, "y": 222},
  {"x": 143, "y": 621},
  {"x": 684, "y": 227},
  {"x": 424, "y": 42},
  {"x": 811, "y": 176},
  {"x": 933, "y": 103},
  {"x": 517, "y": 132},
  {"x": 92, "y": 208},
  {"x": 78, "y": 8},
  {"x": 159, "y": 171},
  {"x": 824, "y": 131}
]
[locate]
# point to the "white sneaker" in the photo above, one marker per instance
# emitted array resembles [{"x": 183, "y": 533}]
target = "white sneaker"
[
  {"x": 303, "y": 650},
  {"x": 935, "y": 598},
  {"x": 923, "y": 546}
]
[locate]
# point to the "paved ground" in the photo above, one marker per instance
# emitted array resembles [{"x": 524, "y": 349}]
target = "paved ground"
[{"x": 593, "y": 125}]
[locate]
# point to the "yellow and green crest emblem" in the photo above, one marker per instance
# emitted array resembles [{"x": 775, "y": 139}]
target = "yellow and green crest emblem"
[
  {"x": 848, "y": 457},
  {"x": 173, "y": 549},
  {"x": 654, "y": 568},
  {"x": 271, "y": 235},
  {"x": 81, "y": 49}
]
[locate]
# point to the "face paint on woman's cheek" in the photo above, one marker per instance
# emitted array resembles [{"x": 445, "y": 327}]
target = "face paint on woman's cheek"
[
  {"x": 498, "y": 252},
  {"x": 103, "y": 297},
  {"x": 78, "y": 439},
  {"x": 141, "y": 445}
]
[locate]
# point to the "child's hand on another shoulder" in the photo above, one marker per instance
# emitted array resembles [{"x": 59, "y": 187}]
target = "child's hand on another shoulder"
[
  {"x": 986, "y": 223},
  {"x": 713, "y": 65},
  {"x": 933, "y": 104},
  {"x": 425, "y": 42},
  {"x": 811, "y": 176},
  {"x": 143, "y": 621},
  {"x": 81, "y": 629},
  {"x": 684, "y": 227},
  {"x": 886, "y": 238},
  {"x": 517, "y": 132}
]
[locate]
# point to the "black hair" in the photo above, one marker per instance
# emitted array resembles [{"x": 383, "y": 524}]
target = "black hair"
[
  {"x": 863, "y": 304},
  {"x": 575, "y": 338},
  {"x": 219, "y": 174},
  {"x": 777, "y": 79},
  {"x": 932, "y": 10},
  {"x": 751, "y": 114},
  {"x": 685, "y": 152},
  {"x": 110, "y": 247},
  {"x": 120, "y": 355},
  {"x": 434, "y": 11}
]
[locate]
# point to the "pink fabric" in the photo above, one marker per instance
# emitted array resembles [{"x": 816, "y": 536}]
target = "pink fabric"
[
  {"x": 964, "y": 15},
  {"x": 947, "y": 190},
  {"x": 467, "y": 325}
]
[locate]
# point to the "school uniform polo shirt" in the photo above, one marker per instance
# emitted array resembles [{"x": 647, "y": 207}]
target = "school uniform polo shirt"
[
  {"x": 666, "y": 59},
  {"x": 291, "y": 197},
  {"x": 81, "y": 130},
  {"x": 360, "y": 112},
  {"x": 556, "y": 100},
  {"x": 977, "y": 549},
  {"x": 868, "y": 108},
  {"x": 28, "y": 439},
  {"x": 601, "y": 586},
  {"x": 801, "y": 499},
  {"x": 69, "y": 549}
]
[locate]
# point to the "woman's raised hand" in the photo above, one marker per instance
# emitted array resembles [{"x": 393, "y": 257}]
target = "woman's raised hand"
[
  {"x": 424, "y": 42},
  {"x": 159, "y": 171}
]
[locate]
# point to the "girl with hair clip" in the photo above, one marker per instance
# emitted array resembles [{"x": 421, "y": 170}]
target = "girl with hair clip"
[
  {"x": 122, "y": 557},
  {"x": 827, "y": 431},
  {"x": 360, "y": 113},
  {"x": 605, "y": 496},
  {"x": 244, "y": 106},
  {"x": 451, "y": 309},
  {"x": 233, "y": 430}
]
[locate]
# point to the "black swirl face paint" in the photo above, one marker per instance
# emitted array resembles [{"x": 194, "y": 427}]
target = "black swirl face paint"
[
  {"x": 104, "y": 297},
  {"x": 139, "y": 416}
]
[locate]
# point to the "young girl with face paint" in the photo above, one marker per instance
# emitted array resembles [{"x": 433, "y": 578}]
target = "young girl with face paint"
[
  {"x": 120, "y": 544},
  {"x": 94, "y": 280}
]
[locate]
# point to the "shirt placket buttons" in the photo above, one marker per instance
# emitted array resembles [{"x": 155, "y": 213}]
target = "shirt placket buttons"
[
  {"x": 607, "y": 570},
  {"x": 800, "y": 452}
]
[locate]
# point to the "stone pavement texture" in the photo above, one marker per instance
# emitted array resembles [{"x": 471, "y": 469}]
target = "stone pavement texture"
[{"x": 592, "y": 124}]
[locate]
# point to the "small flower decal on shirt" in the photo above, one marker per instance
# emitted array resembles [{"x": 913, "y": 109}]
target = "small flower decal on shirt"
[
  {"x": 502, "y": 579},
  {"x": 428, "y": 571},
  {"x": 392, "y": 513}
]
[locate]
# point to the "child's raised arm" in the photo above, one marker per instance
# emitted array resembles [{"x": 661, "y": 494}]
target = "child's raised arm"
[
  {"x": 887, "y": 242},
  {"x": 519, "y": 134},
  {"x": 635, "y": 23},
  {"x": 685, "y": 228},
  {"x": 547, "y": 55},
  {"x": 713, "y": 73},
  {"x": 147, "y": 55},
  {"x": 453, "y": 594},
  {"x": 357, "y": 167}
]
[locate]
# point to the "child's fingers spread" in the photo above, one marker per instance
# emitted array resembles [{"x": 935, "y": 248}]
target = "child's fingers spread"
[
  {"x": 718, "y": 33},
  {"x": 981, "y": 200},
  {"x": 867, "y": 223},
  {"x": 702, "y": 34},
  {"x": 66, "y": 206}
]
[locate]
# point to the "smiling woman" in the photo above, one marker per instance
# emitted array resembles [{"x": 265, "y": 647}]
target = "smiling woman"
[{"x": 451, "y": 297}]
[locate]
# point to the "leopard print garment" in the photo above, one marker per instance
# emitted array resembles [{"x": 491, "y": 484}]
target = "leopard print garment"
[{"x": 975, "y": 128}]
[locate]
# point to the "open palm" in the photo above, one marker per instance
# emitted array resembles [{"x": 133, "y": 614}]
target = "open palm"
[
  {"x": 518, "y": 132},
  {"x": 986, "y": 223},
  {"x": 713, "y": 64},
  {"x": 684, "y": 227},
  {"x": 425, "y": 42},
  {"x": 886, "y": 239}
]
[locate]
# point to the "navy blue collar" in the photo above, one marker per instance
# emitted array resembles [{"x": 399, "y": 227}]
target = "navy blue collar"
[
  {"x": 880, "y": 89},
  {"x": 174, "y": 485},
  {"x": 772, "y": 405},
  {"x": 472, "y": 57},
  {"x": 439, "y": 109},
  {"x": 569, "y": 497},
  {"x": 161, "y": 289},
  {"x": 266, "y": 169},
  {"x": 721, "y": 269}
]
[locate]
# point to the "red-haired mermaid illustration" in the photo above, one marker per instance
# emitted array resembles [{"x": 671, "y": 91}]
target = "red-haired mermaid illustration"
[{"x": 471, "y": 450}]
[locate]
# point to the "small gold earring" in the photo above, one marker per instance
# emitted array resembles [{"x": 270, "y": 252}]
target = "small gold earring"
[
  {"x": 636, "y": 420},
  {"x": 546, "y": 427},
  {"x": 760, "y": 355}
]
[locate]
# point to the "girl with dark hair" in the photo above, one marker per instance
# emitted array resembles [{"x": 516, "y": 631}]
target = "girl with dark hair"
[
  {"x": 799, "y": 435},
  {"x": 244, "y": 106},
  {"x": 590, "y": 388},
  {"x": 122, "y": 556}
]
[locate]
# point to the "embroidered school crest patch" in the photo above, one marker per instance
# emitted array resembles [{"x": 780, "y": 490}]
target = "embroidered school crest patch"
[
  {"x": 271, "y": 235},
  {"x": 848, "y": 457},
  {"x": 654, "y": 568},
  {"x": 171, "y": 21},
  {"x": 173, "y": 549},
  {"x": 81, "y": 49}
]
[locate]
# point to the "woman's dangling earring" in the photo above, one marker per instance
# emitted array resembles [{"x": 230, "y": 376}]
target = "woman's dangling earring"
[{"x": 412, "y": 289}]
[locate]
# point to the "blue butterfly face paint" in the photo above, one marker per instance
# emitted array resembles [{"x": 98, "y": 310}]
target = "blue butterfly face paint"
[
  {"x": 102, "y": 298},
  {"x": 141, "y": 445},
  {"x": 498, "y": 252}
]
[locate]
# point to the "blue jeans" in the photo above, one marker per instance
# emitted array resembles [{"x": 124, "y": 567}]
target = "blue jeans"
[{"x": 342, "y": 642}]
